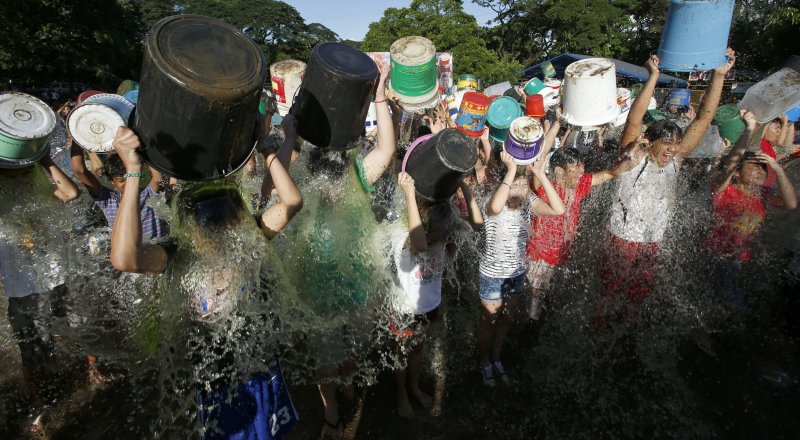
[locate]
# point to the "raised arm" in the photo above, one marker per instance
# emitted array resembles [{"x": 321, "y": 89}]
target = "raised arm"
[
  {"x": 500, "y": 196},
  {"x": 708, "y": 108},
  {"x": 633, "y": 125},
  {"x": 416, "y": 233},
  {"x": 284, "y": 155},
  {"x": 84, "y": 175},
  {"x": 128, "y": 253},
  {"x": 474, "y": 215},
  {"x": 66, "y": 189},
  {"x": 290, "y": 201},
  {"x": 547, "y": 145},
  {"x": 788, "y": 196},
  {"x": 555, "y": 205},
  {"x": 376, "y": 162},
  {"x": 722, "y": 176}
]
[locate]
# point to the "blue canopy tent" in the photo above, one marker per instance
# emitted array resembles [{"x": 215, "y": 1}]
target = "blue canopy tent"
[{"x": 624, "y": 69}]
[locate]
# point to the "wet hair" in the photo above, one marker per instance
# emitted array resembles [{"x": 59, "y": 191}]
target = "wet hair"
[
  {"x": 114, "y": 167},
  {"x": 214, "y": 208},
  {"x": 565, "y": 156},
  {"x": 749, "y": 157},
  {"x": 437, "y": 220},
  {"x": 332, "y": 163},
  {"x": 666, "y": 130},
  {"x": 423, "y": 130}
]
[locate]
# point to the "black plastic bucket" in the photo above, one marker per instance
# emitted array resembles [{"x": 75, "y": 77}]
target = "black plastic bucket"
[
  {"x": 198, "y": 101},
  {"x": 332, "y": 102},
  {"x": 436, "y": 163}
]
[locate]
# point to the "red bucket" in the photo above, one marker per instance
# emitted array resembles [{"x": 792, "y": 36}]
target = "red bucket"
[
  {"x": 534, "y": 106},
  {"x": 472, "y": 113},
  {"x": 85, "y": 95}
]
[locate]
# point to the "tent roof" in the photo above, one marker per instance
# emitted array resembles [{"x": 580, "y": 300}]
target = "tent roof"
[{"x": 623, "y": 68}]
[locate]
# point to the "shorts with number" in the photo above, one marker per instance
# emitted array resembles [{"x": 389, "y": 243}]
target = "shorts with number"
[
  {"x": 540, "y": 274},
  {"x": 495, "y": 289}
]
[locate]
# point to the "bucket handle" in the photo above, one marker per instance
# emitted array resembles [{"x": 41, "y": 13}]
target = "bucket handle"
[{"x": 414, "y": 144}]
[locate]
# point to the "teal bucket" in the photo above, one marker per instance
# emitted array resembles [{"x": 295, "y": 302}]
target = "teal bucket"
[
  {"x": 502, "y": 112},
  {"x": 533, "y": 86}
]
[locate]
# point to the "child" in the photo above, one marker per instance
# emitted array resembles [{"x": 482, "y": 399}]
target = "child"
[
  {"x": 503, "y": 268},
  {"x": 738, "y": 200},
  {"x": 420, "y": 259}
]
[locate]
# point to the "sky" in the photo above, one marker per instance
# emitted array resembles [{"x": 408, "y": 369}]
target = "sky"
[{"x": 351, "y": 18}]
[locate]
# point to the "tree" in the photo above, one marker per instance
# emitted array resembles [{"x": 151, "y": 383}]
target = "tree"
[{"x": 450, "y": 29}]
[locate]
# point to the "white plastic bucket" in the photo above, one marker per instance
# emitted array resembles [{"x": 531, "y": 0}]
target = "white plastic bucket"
[
  {"x": 589, "y": 92},
  {"x": 776, "y": 94},
  {"x": 286, "y": 78},
  {"x": 624, "y": 102},
  {"x": 93, "y": 124},
  {"x": 372, "y": 119}
]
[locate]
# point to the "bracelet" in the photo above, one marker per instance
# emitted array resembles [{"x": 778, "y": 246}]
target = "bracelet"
[
  {"x": 380, "y": 101},
  {"x": 126, "y": 175},
  {"x": 503, "y": 183}
]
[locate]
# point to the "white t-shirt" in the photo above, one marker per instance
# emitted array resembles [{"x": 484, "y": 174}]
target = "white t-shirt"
[
  {"x": 506, "y": 235},
  {"x": 419, "y": 275},
  {"x": 644, "y": 201}
]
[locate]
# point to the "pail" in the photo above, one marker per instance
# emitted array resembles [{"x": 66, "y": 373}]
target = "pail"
[
  {"x": 533, "y": 86},
  {"x": 127, "y": 86},
  {"x": 26, "y": 125},
  {"x": 553, "y": 83},
  {"x": 413, "y": 69},
  {"x": 502, "y": 112},
  {"x": 132, "y": 96},
  {"x": 524, "y": 140},
  {"x": 437, "y": 162},
  {"x": 93, "y": 124},
  {"x": 467, "y": 82},
  {"x": 729, "y": 122},
  {"x": 456, "y": 104},
  {"x": 198, "y": 97},
  {"x": 534, "y": 106},
  {"x": 472, "y": 113},
  {"x": 286, "y": 78},
  {"x": 679, "y": 99},
  {"x": 548, "y": 71},
  {"x": 695, "y": 35},
  {"x": 589, "y": 92},
  {"x": 452, "y": 108},
  {"x": 85, "y": 95},
  {"x": 624, "y": 101},
  {"x": 773, "y": 95},
  {"x": 654, "y": 115},
  {"x": 794, "y": 114},
  {"x": 372, "y": 119},
  {"x": 332, "y": 103}
]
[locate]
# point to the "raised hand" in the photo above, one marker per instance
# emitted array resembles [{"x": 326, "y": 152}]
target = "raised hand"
[
  {"x": 289, "y": 125},
  {"x": 383, "y": 69},
  {"x": 725, "y": 68},
  {"x": 749, "y": 119},
  {"x": 406, "y": 182},
  {"x": 652, "y": 64},
  {"x": 127, "y": 144}
]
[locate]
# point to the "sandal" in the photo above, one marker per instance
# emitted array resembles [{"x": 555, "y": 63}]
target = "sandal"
[{"x": 332, "y": 431}]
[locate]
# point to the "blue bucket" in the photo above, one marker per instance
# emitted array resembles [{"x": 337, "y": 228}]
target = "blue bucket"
[
  {"x": 132, "y": 96},
  {"x": 695, "y": 35},
  {"x": 794, "y": 114},
  {"x": 679, "y": 99}
]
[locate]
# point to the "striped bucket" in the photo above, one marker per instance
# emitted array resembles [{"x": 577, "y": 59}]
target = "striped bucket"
[
  {"x": 93, "y": 124},
  {"x": 286, "y": 78},
  {"x": 502, "y": 112},
  {"x": 472, "y": 113},
  {"x": 413, "y": 70},
  {"x": 524, "y": 140},
  {"x": 467, "y": 81},
  {"x": 26, "y": 125}
]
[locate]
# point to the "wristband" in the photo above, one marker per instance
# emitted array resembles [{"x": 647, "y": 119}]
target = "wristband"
[
  {"x": 380, "y": 101},
  {"x": 126, "y": 175},
  {"x": 503, "y": 183}
]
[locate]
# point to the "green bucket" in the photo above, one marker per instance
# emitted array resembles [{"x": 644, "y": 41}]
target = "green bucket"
[
  {"x": 467, "y": 81},
  {"x": 548, "y": 71},
  {"x": 413, "y": 69},
  {"x": 654, "y": 115},
  {"x": 502, "y": 112},
  {"x": 533, "y": 86},
  {"x": 26, "y": 125},
  {"x": 729, "y": 122}
]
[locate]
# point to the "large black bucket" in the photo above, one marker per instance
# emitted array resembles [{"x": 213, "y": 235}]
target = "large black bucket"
[
  {"x": 198, "y": 97},
  {"x": 437, "y": 163},
  {"x": 332, "y": 102}
]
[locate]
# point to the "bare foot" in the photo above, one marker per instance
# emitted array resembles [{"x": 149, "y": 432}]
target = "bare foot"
[
  {"x": 425, "y": 400},
  {"x": 404, "y": 408}
]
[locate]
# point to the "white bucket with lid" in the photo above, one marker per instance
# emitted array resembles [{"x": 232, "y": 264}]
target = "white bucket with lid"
[
  {"x": 589, "y": 92},
  {"x": 524, "y": 140},
  {"x": 93, "y": 124},
  {"x": 26, "y": 125},
  {"x": 286, "y": 76}
]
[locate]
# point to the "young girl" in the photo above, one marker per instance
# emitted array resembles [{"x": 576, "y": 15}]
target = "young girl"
[
  {"x": 420, "y": 259},
  {"x": 503, "y": 267}
]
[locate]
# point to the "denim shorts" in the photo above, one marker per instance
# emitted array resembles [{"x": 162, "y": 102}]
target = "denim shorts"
[{"x": 495, "y": 289}]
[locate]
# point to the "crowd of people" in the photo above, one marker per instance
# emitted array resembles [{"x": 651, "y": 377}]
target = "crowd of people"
[{"x": 526, "y": 219}]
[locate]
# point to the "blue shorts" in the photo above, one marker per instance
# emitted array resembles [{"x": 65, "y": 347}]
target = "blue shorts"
[{"x": 495, "y": 289}]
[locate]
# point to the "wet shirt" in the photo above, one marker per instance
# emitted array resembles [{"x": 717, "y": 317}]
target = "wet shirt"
[
  {"x": 152, "y": 227},
  {"x": 737, "y": 217},
  {"x": 419, "y": 275},
  {"x": 644, "y": 201},
  {"x": 505, "y": 238},
  {"x": 766, "y": 148},
  {"x": 554, "y": 234}
]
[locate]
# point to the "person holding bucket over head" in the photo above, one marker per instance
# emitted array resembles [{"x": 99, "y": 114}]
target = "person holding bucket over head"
[
  {"x": 647, "y": 192},
  {"x": 214, "y": 280},
  {"x": 502, "y": 275}
]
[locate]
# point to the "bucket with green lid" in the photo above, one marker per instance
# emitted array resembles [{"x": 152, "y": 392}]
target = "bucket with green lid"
[
  {"x": 467, "y": 81},
  {"x": 26, "y": 125},
  {"x": 502, "y": 112},
  {"x": 413, "y": 70},
  {"x": 729, "y": 122}
]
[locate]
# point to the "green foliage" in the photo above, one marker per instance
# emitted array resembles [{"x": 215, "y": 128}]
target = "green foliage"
[{"x": 450, "y": 29}]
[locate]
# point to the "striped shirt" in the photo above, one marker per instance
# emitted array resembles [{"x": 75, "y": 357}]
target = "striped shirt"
[
  {"x": 152, "y": 226},
  {"x": 505, "y": 237}
]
